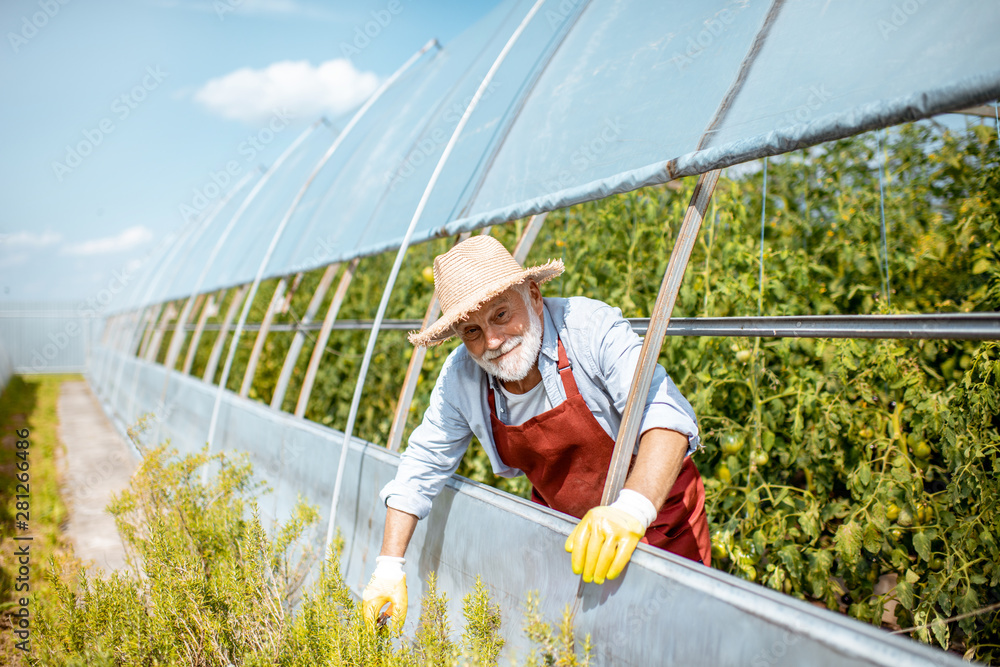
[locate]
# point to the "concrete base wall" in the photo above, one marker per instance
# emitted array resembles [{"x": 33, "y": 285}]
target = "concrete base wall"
[{"x": 662, "y": 610}]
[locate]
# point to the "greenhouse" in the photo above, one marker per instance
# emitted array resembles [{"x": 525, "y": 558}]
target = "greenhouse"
[{"x": 773, "y": 197}]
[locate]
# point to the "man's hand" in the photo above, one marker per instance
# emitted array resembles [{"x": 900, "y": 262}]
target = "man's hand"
[
  {"x": 387, "y": 585},
  {"x": 603, "y": 542}
]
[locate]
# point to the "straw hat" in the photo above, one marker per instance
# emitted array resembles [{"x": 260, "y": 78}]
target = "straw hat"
[{"x": 468, "y": 275}]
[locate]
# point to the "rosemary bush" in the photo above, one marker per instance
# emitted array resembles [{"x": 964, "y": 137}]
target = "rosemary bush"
[{"x": 208, "y": 586}]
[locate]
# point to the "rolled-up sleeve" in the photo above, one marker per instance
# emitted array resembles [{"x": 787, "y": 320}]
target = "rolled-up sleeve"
[
  {"x": 616, "y": 349},
  {"x": 433, "y": 454}
]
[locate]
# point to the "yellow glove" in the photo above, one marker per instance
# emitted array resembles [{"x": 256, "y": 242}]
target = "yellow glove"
[
  {"x": 388, "y": 584},
  {"x": 603, "y": 542}
]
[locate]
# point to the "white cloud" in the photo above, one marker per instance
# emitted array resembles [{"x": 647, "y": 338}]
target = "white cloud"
[
  {"x": 307, "y": 92},
  {"x": 29, "y": 240},
  {"x": 225, "y": 8},
  {"x": 128, "y": 239}
]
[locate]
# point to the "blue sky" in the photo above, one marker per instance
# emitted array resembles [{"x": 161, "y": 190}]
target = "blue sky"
[{"x": 158, "y": 93}]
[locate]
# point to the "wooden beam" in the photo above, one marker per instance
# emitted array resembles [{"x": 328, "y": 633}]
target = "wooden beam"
[
  {"x": 169, "y": 313},
  {"x": 150, "y": 316},
  {"x": 324, "y": 336},
  {"x": 210, "y": 309},
  {"x": 983, "y": 111},
  {"x": 299, "y": 339},
  {"x": 653, "y": 342},
  {"x": 180, "y": 330},
  {"x": 258, "y": 343},
  {"x": 213, "y": 358}
]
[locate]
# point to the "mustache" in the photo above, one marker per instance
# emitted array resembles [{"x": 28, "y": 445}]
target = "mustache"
[{"x": 507, "y": 346}]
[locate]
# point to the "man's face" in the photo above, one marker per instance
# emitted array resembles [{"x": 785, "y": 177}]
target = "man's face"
[{"x": 505, "y": 334}]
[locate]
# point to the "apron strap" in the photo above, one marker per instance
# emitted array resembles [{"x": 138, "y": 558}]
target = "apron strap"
[{"x": 566, "y": 372}]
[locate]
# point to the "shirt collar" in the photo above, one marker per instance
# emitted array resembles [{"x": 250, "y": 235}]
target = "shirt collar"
[{"x": 550, "y": 337}]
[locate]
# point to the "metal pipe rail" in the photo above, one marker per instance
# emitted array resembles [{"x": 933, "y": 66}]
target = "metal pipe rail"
[
  {"x": 945, "y": 326},
  {"x": 953, "y": 326}
]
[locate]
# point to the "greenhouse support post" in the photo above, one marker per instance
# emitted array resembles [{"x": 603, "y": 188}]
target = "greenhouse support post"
[
  {"x": 258, "y": 344},
  {"x": 191, "y": 306},
  {"x": 220, "y": 340},
  {"x": 210, "y": 309},
  {"x": 324, "y": 336},
  {"x": 299, "y": 339},
  {"x": 653, "y": 342}
]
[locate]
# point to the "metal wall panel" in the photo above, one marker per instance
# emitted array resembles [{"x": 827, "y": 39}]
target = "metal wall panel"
[
  {"x": 662, "y": 610},
  {"x": 45, "y": 337},
  {"x": 6, "y": 368}
]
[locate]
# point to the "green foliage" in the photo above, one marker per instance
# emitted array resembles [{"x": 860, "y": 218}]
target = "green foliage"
[
  {"x": 210, "y": 591},
  {"x": 481, "y": 639},
  {"x": 861, "y": 465},
  {"x": 555, "y": 646},
  {"x": 208, "y": 586},
  {"x": 28, "y": 403}
]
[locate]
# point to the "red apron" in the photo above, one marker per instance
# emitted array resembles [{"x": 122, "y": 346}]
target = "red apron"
[{"x": 565, "y": 454}]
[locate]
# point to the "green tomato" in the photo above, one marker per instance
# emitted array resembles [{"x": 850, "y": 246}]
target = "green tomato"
[
  {"x": 731, "y": 443},
  {"x": 892, "y": 512},
  {"x": 760, "y": 458},
  {"x": 937, "y": 563},
  {"x": 743, "y": 356},
  {"x": 905, "y": 517},
  {"x": 722, "y": 474},
  {"x": 718, "y": 551},
  {"x": 925, "y": 513},
  {"x": 921, "y": 449}
]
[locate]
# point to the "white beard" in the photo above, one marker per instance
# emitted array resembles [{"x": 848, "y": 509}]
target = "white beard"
[{"x": 523, "y": 350}]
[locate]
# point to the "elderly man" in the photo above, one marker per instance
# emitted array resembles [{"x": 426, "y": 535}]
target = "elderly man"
[{"x": 542, "y": 384}]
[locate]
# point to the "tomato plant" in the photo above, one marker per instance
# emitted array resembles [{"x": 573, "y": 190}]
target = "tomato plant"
[{"x": 833, "y": 468}]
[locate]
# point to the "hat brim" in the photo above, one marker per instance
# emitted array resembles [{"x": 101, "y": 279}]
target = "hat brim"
[{"x": 442, "y": 329}]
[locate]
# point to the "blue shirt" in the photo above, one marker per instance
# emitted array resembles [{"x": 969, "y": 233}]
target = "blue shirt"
[{"x": 604, "y": 352}]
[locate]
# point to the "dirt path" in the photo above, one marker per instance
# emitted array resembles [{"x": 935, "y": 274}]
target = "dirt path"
[{"x": 97, "y": 463}]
